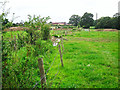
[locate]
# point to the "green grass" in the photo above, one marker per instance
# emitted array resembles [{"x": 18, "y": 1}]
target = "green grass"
[{"x": 90, "y": 61}]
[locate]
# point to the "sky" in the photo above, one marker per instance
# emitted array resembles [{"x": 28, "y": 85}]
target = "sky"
[{"x": 60, "y": 10}]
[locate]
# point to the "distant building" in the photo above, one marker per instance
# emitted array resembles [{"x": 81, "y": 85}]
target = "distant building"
[
  {"x": 68, "y": 24},
  {"x": 58, "y": 23}
]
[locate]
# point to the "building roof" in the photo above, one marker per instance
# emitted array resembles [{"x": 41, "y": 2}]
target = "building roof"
[{"x": 58, "y": 22}]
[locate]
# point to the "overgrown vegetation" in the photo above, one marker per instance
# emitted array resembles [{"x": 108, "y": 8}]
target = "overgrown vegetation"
[
  {"x": 21, "y": 49},
  {"x": 90, "y": 60},
  {"x": 90, "y": 57}
]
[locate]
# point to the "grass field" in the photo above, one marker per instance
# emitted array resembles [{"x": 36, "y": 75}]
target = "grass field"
[{"x": 90, "y": 61}]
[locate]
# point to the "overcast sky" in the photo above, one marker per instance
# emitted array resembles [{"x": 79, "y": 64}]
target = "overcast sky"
[{"x": 61, "y": 10}]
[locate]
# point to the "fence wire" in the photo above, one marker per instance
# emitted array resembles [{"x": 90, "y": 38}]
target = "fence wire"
[
  {"x": 46, "y": 71},
  {"x": 51, "y": 66},
  {"x": 55, "y": 74}
]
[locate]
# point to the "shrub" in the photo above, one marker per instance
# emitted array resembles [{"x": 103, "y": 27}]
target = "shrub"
[
  {"x": 45, "y": 29},
  {"x": 65, "y": 27},
  {"x": 74, "y": 29},
  {"x": 71, "y": 27}
]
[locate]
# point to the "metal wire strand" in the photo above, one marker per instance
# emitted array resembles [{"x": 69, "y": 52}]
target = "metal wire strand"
[
  {"x": 46, "y": 71},
  {"x": 55, "y": 74}
]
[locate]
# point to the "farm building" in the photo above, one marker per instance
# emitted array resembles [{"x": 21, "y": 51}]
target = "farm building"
[
  {"x": 68, "y": 24},
  {"x": 58, "y": 23}
]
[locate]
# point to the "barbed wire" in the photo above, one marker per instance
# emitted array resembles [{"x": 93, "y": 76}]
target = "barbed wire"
[{"x": 46, "y": 71}]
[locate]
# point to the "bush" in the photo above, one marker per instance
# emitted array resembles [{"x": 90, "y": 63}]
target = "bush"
[
  {"x": 17, "y": 70},
  {"x": 45, "y": 32},
  {"x": 74, "y": 29},
  {"x": 71, "y": 27},
  {"x": 65, "y": 27}
]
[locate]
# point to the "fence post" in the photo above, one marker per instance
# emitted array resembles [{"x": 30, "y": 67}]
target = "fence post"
[
  {"x": 65, "y": 33},
  {"x": 42, "y": 73},
  {"x": 11, "y": 35},
  {"x": 60, "y": 54},
  {"x": 62, "y": 43},
  {"x": 89, "y": 31},
  {"x": 15, "y": 43}
]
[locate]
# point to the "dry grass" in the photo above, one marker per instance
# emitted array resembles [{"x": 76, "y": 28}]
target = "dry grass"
[{"x": 15, "y": 29}]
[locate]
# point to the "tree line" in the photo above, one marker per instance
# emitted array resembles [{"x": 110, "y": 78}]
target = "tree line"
[{"x": 87, "y": 20}]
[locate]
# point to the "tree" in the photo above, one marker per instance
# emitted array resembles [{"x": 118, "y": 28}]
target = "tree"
[
  {"x": 108, "y": 22},
  {"x": 3, "y": 16},
  {"x": 104, "y": 22},
  {"x": 116, "y": 20},
  {"x": 4, "y": 21},
  {"x": 118, "y": 23},
  {"x": 116, "y": 15},
  {"x": 87, "y": 20},
  {"x": 74, "y": 19}
]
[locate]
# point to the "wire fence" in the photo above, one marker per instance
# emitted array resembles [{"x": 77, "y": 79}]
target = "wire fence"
[
  {"x": 55, "y": 75},
  {"x": 50, "y": 68},
  {"x": 46, "y": 71},
  {"x": 12, "y": 42}
]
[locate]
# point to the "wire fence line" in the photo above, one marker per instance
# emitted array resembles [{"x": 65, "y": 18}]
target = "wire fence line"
[
  {"x": 55, "y": 74},
  {"x": 51, "y": 66},
  {"x": 46, "y": 71}
]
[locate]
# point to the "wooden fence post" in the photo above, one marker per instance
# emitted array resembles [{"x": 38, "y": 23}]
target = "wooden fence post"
[
  {"x": 60, "y": 54},
  {"x": 15, "y": 43},
  {"x": 62, "y": 43},
  {"x": 65, "y": 33},
  {"x": 11, "y": 35},
  {"x": 42, "y": 73},
  {"x": 89, "y": 31}
]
